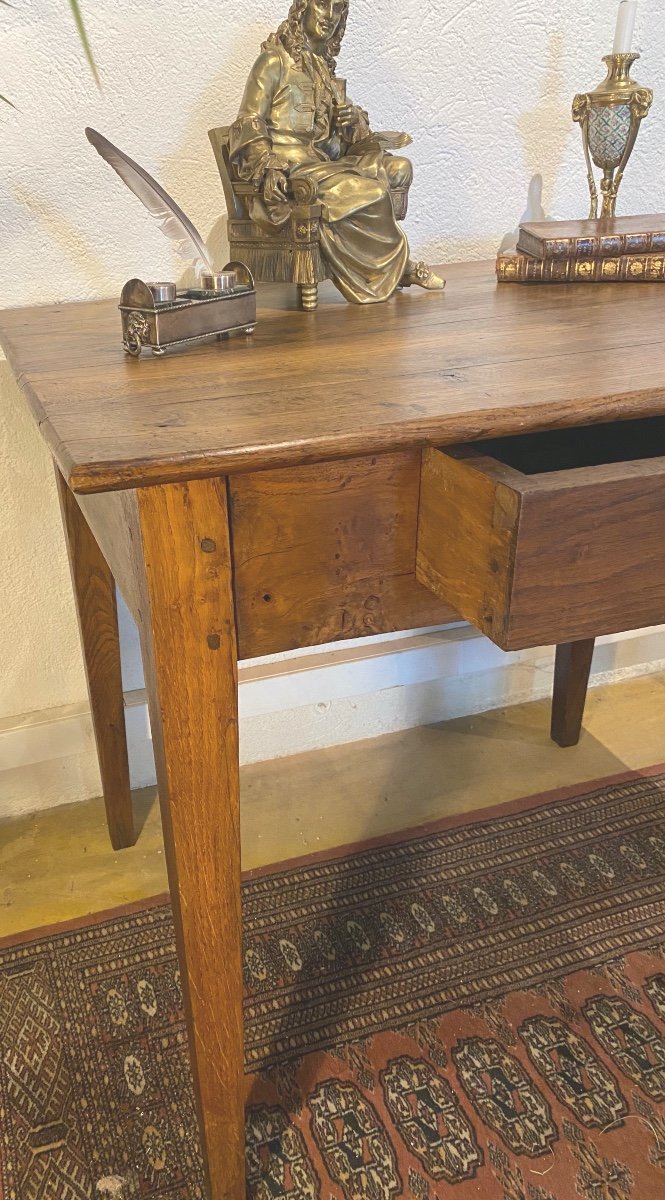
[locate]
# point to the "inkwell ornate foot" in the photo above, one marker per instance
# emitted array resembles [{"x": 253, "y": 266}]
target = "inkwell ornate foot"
[{"x": 420, "y": 275}]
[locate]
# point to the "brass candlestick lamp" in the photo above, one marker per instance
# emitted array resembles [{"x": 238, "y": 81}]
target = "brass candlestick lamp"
[{"x": 609, "y": 118}]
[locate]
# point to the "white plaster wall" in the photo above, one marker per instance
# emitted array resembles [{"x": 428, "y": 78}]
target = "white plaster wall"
[
  {"x": 40, "y": 659},
  {"x": 485, "y": 87}
]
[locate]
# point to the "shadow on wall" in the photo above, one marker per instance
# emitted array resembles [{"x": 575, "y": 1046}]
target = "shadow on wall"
[
  {"x": 190, "y": 172},
  {"x": 67, "y": 237},
  {"x": 548, "y": 124},
  {"x": 534, "y": 211},
  {"x": 549, "y": 120},
  {"x": 41, "y": 658}
]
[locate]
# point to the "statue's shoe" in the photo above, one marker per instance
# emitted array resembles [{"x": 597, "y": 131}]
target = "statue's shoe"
[{"x": 418, "y": 274}]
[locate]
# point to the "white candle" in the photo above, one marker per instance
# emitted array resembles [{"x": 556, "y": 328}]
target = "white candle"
[{"x": 623, "y": 38}]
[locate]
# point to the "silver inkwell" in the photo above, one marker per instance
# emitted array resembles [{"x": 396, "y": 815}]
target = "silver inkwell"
[{"x": 158, "y": 315}]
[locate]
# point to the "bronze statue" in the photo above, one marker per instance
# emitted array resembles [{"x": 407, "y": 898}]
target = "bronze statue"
[{"x": 295, "y": 124}]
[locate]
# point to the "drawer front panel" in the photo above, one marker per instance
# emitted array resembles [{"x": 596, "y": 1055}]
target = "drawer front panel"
[
  {"x": 327, "y": 552},
  {"x": 589, "y": 560}
]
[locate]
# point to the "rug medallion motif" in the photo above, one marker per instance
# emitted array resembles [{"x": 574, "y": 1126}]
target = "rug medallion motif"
[{"x": 471, "y": 1010}]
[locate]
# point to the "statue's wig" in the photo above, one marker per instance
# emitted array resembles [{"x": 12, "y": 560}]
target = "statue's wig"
[{"x": 290, "y": 34}]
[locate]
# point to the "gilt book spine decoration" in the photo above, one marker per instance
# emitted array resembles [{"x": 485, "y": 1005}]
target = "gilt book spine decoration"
[
  {"x": 593, "y": 239},
  {"x": 627, "y": 268}
]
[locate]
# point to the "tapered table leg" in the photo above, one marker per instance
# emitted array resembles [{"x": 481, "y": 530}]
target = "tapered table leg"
[
  {"x": 189, "y": 647},
  {"x": 94, "y": 590},
  {"x": 571, "y": 680}
]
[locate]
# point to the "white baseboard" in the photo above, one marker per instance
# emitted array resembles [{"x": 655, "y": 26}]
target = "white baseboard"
[{"x": 304, "y": 702}]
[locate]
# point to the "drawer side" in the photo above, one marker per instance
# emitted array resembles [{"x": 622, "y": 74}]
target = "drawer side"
[{"x": 467, "y": 535}]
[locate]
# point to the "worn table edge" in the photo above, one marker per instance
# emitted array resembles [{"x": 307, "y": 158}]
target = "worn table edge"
[{"x": 90, "y": 477}]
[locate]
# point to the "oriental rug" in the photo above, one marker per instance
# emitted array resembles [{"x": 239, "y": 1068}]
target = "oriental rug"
[{"x": 472, "y": 1009}]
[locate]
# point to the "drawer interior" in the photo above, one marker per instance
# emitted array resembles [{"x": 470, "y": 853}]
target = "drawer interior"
[{"x": 585, "y": 446}]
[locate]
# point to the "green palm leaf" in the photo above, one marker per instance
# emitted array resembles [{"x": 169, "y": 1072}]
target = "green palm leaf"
[
  {"x": 78, "y": 17},
  {"x": 3, "y": 99}
]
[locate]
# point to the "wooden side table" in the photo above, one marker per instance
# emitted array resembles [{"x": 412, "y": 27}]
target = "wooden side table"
[{"x": 257, "y": 496}]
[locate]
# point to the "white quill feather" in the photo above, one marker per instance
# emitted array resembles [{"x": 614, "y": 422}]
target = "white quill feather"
[{"x": 172, "y": 220}]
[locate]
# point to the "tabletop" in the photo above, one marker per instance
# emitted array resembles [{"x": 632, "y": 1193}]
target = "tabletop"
[{"x": 479, "y": 360}]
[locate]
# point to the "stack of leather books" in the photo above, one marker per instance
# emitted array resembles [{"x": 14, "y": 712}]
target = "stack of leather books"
[{"x": 614, "y": 249}]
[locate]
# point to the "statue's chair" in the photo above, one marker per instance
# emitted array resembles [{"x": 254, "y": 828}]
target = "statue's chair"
[{"x": 292, "y": 253}]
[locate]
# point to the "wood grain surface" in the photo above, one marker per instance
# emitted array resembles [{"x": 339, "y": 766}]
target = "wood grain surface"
[
  {"x": 111, "y": 517},
  {"x": 478, "y": 360},
  {"x": 94, "y": 593},
  {"x": 589, "y": 557},
  {"x": 189, "y": 654},
  {"x": 327, "y": 552},
  {"x": 467, "y": 523},
  {"x": 572, "y": 668},
  {"x": 532, "y": 559}
]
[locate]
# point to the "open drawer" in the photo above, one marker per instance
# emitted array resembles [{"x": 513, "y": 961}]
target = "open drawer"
[{"x": 550, "y": 537}]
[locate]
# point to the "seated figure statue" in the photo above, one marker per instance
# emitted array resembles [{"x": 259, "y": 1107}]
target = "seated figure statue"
[{"x": 294, "y": 121}]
